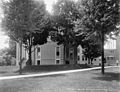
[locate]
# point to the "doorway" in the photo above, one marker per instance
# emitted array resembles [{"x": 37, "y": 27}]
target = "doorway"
[{"x": 38, "y": 62}]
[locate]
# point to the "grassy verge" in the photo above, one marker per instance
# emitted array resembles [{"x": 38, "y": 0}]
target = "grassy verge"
[{"x": 48, "y": 68}]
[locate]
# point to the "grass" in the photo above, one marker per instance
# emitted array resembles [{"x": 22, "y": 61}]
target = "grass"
[
  {"x": 49, "y": 68},
  {"x": 88, "y": 81},
  {"x": 14, "y": 70}
]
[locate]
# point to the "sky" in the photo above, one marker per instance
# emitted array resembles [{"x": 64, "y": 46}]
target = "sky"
[
  {"x": 111, "y": 44},
  {"x": 49, "y": 4},
  {"x": 4, "y": 39}
]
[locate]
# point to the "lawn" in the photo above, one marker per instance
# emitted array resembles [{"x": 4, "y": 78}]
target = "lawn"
[
  {"x": 87, "y": 81},
  {"x": 14, "y": 70},
  {"x": 8, "y": 70}
]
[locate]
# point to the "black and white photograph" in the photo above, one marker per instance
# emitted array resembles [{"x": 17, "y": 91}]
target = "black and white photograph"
[{"x": 59, "y": 45}]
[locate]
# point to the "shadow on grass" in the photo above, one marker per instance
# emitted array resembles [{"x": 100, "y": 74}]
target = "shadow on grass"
[
  {"x": 1, "y": 72},
  {"x": 56, "y": 75},
  {"x": 108, "y": 76},
  {"x": 49, "y": 68}
]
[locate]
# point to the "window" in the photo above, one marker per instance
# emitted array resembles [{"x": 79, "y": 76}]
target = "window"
[
  {"x": 111, "y": 51},
  {"x": 78, "y": 58},
  {"x": 57, "y": 51},
  {"x": 38, "y": 51},
  {"x": 112, "y": 58},
  {"x": 38, "y": 62},
  {"x": 82, "y": 58},
  {"x": 57, "y": 61}
]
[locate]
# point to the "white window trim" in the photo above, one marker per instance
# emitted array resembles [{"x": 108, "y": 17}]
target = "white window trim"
[
  {"x": 56, "y": 62},
  {"x": 59, "y": 55},
  {"x": 40, "y": 55}
]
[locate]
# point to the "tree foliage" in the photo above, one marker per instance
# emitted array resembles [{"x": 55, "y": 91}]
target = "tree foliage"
[
  {"x": 64, "y": 15},
  {"x": 26, "y": 21},
  {"x": 101, "y": 15},
  {"x": 101, "y": 18},
  {"x": 91, "y": 48}
]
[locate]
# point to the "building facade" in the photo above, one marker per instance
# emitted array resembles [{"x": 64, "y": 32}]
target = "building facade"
[
  {"x": 118, "y": 48},
  {"x": 110, "y": 56},
  {"x": 53, "y": 54},
  {"x": 47, "y": 54}
]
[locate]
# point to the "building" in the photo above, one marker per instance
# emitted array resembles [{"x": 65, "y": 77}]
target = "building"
[
  {"x": 110, "y": 56},
  {"x": 118, "y": 48},
  {"x": 112, "y": 52},
  {"x": 47, "y": 54},
  {"x": 53, "y": 54}
]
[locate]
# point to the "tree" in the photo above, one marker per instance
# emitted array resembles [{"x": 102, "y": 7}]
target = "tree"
[
  {"x": 91, "y": 49},
  {"x": 65, "y": 14},
  {"x": 12, "y": 48},
  {"x": 16, "y": 21},
  {"x": 22, "y": 19},
  {"x": 101, "y": 18},
  {"x": 39, "y": 29}
]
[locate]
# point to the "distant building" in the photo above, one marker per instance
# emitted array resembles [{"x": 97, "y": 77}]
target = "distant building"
[
  {"x": 83, "y": 60},
  {"x": 118, "y": 48},
  {"x": 110, "y": 56}
]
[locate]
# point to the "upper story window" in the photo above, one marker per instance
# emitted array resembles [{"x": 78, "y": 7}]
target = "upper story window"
[
  {"x": 38, "y": 51},
  {"x": 57, "y": 51},
  {"x": 78, "y": 58},
  {"x": 82, "y": 58}
]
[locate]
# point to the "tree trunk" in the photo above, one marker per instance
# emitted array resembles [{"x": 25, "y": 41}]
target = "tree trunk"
[
  {"x": 67, "y": 54},
  {"x": 20, "y": 63},
  {"x": 102, "y": 49},
  {"x": 30, "y": 60},
  {"x": 91, "y": 62},
  {"x": 64, "y": 55},
  {"x": 75, "y": 55},
  {"x": 88, "y": 61}
]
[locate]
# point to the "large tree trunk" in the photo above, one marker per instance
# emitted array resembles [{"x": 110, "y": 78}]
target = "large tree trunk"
[
  {"x": 91, "y": 62},
  {"x": 75, "y": 55},
  {"x": 20, "y": 62},
  {"x": 88, "y": 61},
  {"x": 102, "y": 49},
  {"x": 30, "y": 58},
  {"x": 64, "y": 55},
  {"x": 29, "y": 62}
]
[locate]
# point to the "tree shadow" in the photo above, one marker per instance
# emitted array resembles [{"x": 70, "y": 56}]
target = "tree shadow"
[
  {"x": 108, "y": 76},
  {"x": 1, "y": 72},
  {"x": 55, "y": 75}
]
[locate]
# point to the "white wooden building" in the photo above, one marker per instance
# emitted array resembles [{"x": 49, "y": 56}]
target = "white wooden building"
[{"x": 53, "y": 54}]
